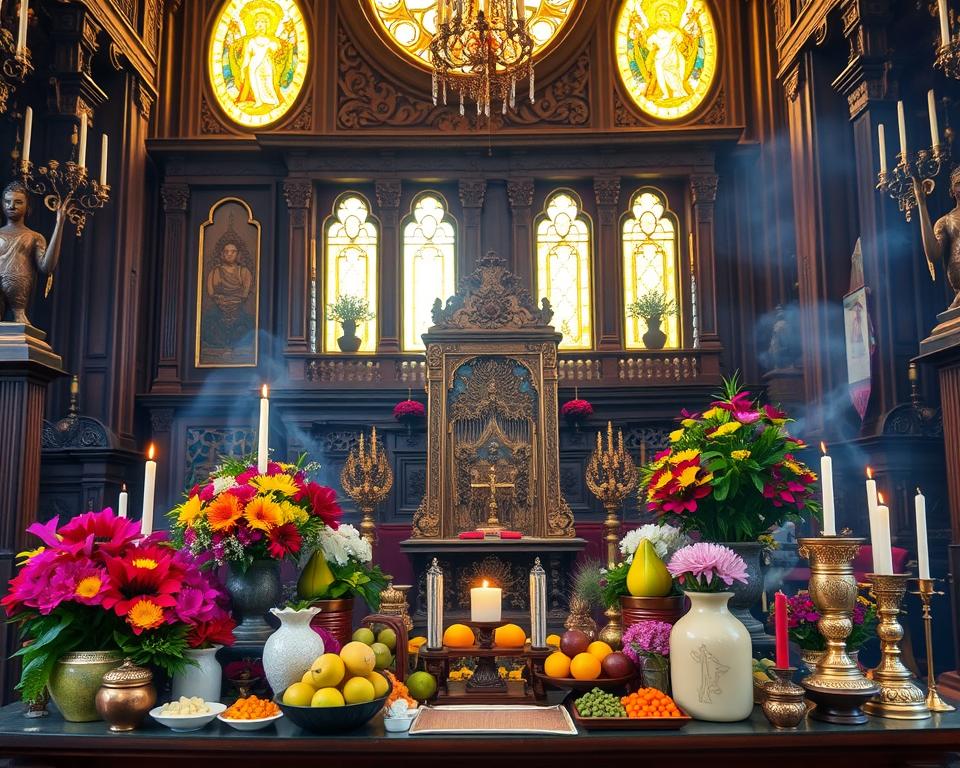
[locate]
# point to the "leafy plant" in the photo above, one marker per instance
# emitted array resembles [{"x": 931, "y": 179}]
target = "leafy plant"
[
  {"x": 347, "y": 308},
  {"x": 613, "y": 584},
  {"x": 652, "y": 304},
  {"x": 586, "y": 582}
]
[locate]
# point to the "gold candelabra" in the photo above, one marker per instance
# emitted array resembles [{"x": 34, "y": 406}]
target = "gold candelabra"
[
  {"x": 899, "y": 697},
  {"x": 15, "y": 67},
  {"x": 926, "y": 590},
  {"x": 367, "y": 478},
  {"x": 911, "y": 170},
  {"x": 611, "y": 477},
  {"x": 481, "y": 50},
  {"x": 837, "y": 686}
]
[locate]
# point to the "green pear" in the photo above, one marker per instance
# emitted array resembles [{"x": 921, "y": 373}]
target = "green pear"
[
  {"x": 315, "y": 579},
  {"x": 648, "y": 576}
]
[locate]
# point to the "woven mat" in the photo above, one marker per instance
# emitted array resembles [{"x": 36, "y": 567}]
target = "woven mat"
[{"x": 493, "y": 719}]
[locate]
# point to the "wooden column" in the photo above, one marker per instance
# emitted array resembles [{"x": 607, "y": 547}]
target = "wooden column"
[
  {"x": 27, "y": 365},
  {"x": 176, "y": 201},
  {"x": 299, "y": 195},
  {"x": 607, "y": 277},
  {"x": 520, "y": 194},
  {"x": 391, "y": 291},
  {"x": 703, "y": 195},
  {"x": 472, "y": 192}
]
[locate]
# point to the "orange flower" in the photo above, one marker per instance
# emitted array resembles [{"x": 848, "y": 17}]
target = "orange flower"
[
  {"x": 262, "y": 513},
  {"x": 223, "y": 512},
  {"x": 145, "y": 614}
]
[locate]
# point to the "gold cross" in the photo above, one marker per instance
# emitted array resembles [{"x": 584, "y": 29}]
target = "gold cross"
[{"x": 493, "y": 524}]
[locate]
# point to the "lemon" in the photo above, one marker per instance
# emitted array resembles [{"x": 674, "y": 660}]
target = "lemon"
[
  {"x": 358, "y": 690},
  {"x": 327, "y": 697},
  {"x": 299, "y": 695}
]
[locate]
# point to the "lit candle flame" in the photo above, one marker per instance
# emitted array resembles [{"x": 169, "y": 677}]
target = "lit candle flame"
[
  {"x": 879, "y": 498},
  {"x": 485, "y": 584},
  {"x": 150, "y": 452},
  {"x": 123, "y": 487},
  {"x": 869, "y": 474},
  {"x": 264, "y": 391},
  {"x": 823, "y": 448},
  {"x": 918, "y": 491}
]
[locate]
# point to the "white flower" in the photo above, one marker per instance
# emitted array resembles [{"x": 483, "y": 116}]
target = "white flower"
[
  {"x": 221, "y": 484},
  {"x": 344, "y": 544},
  {"x": 665, "y": 539}
]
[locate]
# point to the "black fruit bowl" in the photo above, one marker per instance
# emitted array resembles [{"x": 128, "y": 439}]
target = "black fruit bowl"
[{"x": 333, "y": 719}]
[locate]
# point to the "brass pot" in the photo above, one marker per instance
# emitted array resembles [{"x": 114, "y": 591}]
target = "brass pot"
[
  {"x": 74, "y": 682},
  {"x": 126, "y": 696}
]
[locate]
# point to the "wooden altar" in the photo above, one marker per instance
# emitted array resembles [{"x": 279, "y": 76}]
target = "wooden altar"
[{"x": 493, "y": 445}]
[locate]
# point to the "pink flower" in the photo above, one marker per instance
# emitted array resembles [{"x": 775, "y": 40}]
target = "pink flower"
[
  {"x": 705, "y": 567},
  {"x": 409, "y": 409},
  {"x": 576, "y": 409},
  {"x": 646, "y": 637},
  {"x": 746, "y": 417}
]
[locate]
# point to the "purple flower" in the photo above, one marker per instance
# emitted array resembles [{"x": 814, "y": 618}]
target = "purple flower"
[
  {"x": 330, "y": 643},
  {"x": 646, "y": 638},
  {"x": 704, "y": 567}
]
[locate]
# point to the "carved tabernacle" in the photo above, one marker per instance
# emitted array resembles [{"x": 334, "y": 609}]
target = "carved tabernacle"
[{"x": 492, "y": 434}]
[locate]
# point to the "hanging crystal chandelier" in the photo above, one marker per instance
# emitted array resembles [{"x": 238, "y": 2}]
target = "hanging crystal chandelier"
[{"x": 481, "y": 49}]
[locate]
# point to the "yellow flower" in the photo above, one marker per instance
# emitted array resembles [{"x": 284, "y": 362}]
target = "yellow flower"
[
  {"x": 665, "y": 478},
  {"x": 688, "y": 422},
  {"x": 268, "y": 483},
  {"x": 712, "y": 413},
  {"x": 263, "y": 514},
  {"x": 740, "y": 455},
  {"x": 690, "y": 453},
  {"x": 22, "y": 557},
  {"x": 676, "y": 435},
  {"x": 688, "y": 476},
  {"x": 793, "y": 466},
  {"x": 189, "y": 511},
  {"x": 726, "y": 429},
  {"x": 146, "y": 563},
  {"x": 292, "y": 513},
  {"x": 88, "y": 586},
  {"x": 145, "y": 614}
]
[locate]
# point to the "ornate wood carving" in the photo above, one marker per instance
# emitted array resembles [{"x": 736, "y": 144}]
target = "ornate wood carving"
[
  {"x": 176, "y": 197},
  {"x": 304, "y": 119},
  {"x": 387, "y": 192},
  {"x": 703, "y": 187},
  {"x": 210, "y": 124},
  {"x": 791, "y": 83},
  {"x": 297, "y": 193},
  {"x": 623, "y": 114},
  {"x": 520, "y": 192},
  {"x": 565, "y": 101}
]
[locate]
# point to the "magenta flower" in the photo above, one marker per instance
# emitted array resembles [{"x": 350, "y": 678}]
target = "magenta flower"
[
  {"x": 409, "y": 409},
  {"x": 746, "y": 417},
  {"x": 646, "y": 638},
  {"x": 704, "y": 567}
]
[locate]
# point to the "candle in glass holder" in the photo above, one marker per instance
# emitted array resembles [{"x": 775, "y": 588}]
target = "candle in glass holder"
[{"x": 485, "y": 603}]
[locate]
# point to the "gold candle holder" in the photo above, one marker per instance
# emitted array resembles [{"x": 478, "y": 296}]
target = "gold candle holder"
[
  {"x": 899, "y": 698},
  {"x": 837, "y": 687},
  {"x": 784, "y": 704},
  {"x": 367, "y": 479},
  {"x": 926, "y": 590}
]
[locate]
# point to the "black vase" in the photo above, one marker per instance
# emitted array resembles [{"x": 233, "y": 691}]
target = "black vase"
[
  {"x": 349, "y": 342},
  {"x": 654, "y": 338}
]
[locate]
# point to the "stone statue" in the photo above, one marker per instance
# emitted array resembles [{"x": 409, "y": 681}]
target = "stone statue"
[
  {"x": 23, "y": 252},
  {"x": 942, "y": 240}
]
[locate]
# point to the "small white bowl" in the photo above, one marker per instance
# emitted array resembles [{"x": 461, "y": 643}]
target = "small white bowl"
[
  {"x": 249, "y": 725},
  {"x": 399, "y": 723},
  {"x": 186, "y": 723}
]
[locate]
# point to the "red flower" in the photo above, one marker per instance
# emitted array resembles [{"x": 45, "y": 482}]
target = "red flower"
[
  {"x": 109, "y": 532},
  {"x": 243, "y": 492},
  {"x": 217, "y": 631},
  {"x": 323, "y": 503},
  {"x": 739, "y": 402},
  {"x": 578, "y": 409},
  {"x": 145, "y": 572},
  {"x": 409, "y": 409},
  {"x": 284, "y": 540}
]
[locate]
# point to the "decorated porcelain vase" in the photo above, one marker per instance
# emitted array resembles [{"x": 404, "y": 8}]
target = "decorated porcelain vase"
[
  {"x": 711, "y": 668},
  {"x": 201, "y": 679},
  {"x": 290, "y": 650}
]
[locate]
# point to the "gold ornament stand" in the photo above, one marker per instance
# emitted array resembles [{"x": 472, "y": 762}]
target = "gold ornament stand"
[
  {"x": 367, "y": 479},
  {"x": 926, "y": 591},
  {"x": 837, "y": 687}
]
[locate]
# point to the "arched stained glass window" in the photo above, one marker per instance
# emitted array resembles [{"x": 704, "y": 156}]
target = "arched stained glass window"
[
  {"x": 429, "y": 258},
  {"x": 350, "y": 251},
  {"x": 650, "y": 261},
  {"x": 564, "y": 269}
]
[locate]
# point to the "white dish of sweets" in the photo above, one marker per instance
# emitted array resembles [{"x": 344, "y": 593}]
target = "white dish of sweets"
[{"x": 187, "y": 715}]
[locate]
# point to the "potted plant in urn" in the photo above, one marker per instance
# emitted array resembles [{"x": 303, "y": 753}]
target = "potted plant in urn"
[
  {"x": 348, "y": 311},
  {"x": 652, "y": 307},
  {"x": 97, "y": 591},
  {"x": 585, "y": 597},
  {"x": 730, "y": 475}
]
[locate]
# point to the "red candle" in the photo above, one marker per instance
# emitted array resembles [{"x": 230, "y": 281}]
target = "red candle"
[{"x": 783, "y": 639}]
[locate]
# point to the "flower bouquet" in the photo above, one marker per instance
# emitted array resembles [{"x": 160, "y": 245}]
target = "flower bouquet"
[
  {"x": 409, "y": 410},
  {"x": 802, "y": 618},
  {"x": 341, "y": 566},
  {"x": 647, "y": 644},
  {"x": 665, "y": 539},
  {"x": 705, "y": 567},
  {"x": 576, "y": 411},
  {"x": 95, "y": 584}
]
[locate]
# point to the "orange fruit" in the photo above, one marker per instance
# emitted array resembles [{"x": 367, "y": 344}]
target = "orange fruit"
[
  {"x": 585, "y": 666},
  {"x": 557, "y": 665},
  {"x": 553, "y": 641},
  {"x": 509, "y": 636},
  {"x": 599, "y": 649},
  {"x": 458, "y": 636}
]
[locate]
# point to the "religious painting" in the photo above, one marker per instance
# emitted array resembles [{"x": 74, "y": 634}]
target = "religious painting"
[
  {"x": 258, "y": 59},
  {"x": 858, "y": 335},
  {"x": 228, "y": 278},
  {"x": 411, "y": 24},
  {"x": 666, "y": 54}
]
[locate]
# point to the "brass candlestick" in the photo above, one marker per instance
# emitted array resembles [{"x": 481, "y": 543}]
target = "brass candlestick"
[
  {"x": 367, "y": 478},
  {"x": 922, "y": 168},
  {"x": 14, "y": 69},
  {"x": 899, "y": 698},
  {"x": 837, "y": 687},
  {"x": 934, "y": 702},
  {"x": 948, "y": 58},
  {"x": 611, "y": 477}
]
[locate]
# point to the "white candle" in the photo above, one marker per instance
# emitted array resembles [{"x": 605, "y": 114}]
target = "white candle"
[
  {"x": 923, "y": 553},
  {"x": 944, "y": 23},
  {"x": 485, "y": 603},
  {"x": 826, "y": 485},
  {"x": 103, "y": 159},
  {"x": 882, "y": 142},
  {"x": 22, "y": 29},
  {"x": 902, "y": 125},
  {"x": 263, "y": 443},
  {"x": 124, "y": 500},
  {"x": 871, "y": 493},
  {"x": 934, "y": 125},
  {"x": 149, "y": 488},
  {"x": 82, "y": 156},
  {"x": 880, "y": 539},
  {"x": 27, "y": 134}
]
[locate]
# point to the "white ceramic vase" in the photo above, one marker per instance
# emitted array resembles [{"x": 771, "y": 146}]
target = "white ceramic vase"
[
  {"x": 711, "y": 670},
  {"x": 202, "y": 680},
  {"x": 291, "y": 649}
]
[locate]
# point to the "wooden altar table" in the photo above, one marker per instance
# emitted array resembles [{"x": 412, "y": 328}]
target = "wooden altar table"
[{"x": 50, "y": 742}]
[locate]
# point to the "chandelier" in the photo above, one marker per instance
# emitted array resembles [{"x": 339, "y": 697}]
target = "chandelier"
[{"x": 481, "y": 49}]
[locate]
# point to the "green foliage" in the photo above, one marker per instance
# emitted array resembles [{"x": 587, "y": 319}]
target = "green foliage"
[
  {"x": 586, "y": 582},
  {"x": 164, "y": 648},
  {"x": 357, "y": 579},
  {"x": 346, "y": 308},
  {"x": 652, "y": 304},
  {"x": 613, "y": 584}
]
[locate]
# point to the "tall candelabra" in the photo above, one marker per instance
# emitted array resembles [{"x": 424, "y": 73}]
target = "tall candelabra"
[
  {"x": 912, "y": 170},
  {"x": 948, "y": 54},
  {"x": 367, "y": 478},
  {"x": 611, "y": 477},
  {"x": 926, "y": 590},
  {"x": 15, "y": 67}
]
